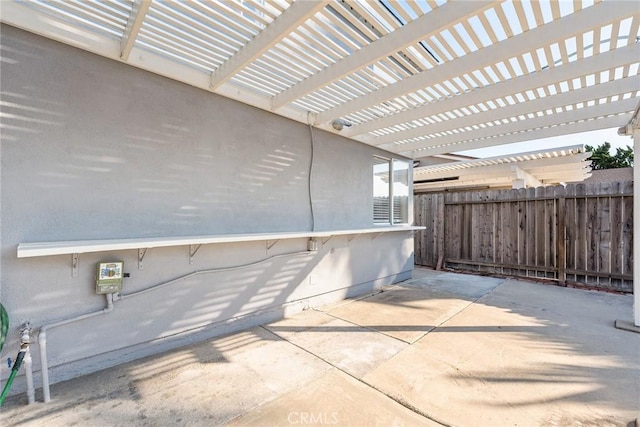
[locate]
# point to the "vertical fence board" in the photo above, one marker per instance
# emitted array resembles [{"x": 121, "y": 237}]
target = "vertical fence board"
[
  {"x": 615, "y": 215},
  {"x": 560, "y": 234},
  {"x": 531, "y": 227},
  {"x": 581, "y": 230},
  {"x": 541, "y": 239},
  {"x": 452, "y": 236},
  {"x": 570, "y": 224},
  {"x": 499, "y": 221},
  {"x": 440, "y": 224},
  {"x": 627, "y": 217},
  {"x": 466, "y": 227},
  {"x": 522, "y": 228},
  {"x": 604, "y": 232},
  {"x": 592, "y": 234},
  {"x": 551, "y": 220},
  {"x": 514, "y": 223}
]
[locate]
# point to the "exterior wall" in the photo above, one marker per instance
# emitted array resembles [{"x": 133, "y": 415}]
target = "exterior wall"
[{"x": 95, "y": 149}]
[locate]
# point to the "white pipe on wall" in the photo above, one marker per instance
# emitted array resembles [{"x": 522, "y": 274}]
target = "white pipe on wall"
[
  {"x": 28, "y": 363},
  {"x": 28, "y": 370},
  {"x": 42, "y": 342}
]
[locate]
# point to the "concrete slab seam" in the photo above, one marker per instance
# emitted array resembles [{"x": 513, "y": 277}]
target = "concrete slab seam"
[
  {"x": 457, "y": 312},
  {"x": 350, "y": 300},
  {"x": 368, "y": 328},
  {"x": 397, "y": 400}
]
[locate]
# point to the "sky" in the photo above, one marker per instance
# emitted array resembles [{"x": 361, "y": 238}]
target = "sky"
[{"x": 592, "y": 138}]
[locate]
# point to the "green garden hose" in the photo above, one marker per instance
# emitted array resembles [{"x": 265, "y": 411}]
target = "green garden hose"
[
  {"x": 14, "y": 372},
  {"x": 4, "y": 325}
]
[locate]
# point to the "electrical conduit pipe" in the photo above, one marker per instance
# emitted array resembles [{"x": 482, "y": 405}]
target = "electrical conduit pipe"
[{"x": 42, "y": 342}]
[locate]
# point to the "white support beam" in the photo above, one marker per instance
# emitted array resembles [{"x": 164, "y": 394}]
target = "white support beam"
[
  {"x": 290, "y": 19},
  {"x": 594, "y": 64},
  {"x": 419, "y": 29},
  {"x": 480, "y": 138},
  {"x": 503, "y": 181},
  {"x": 636, "y": 223},
  {"x": 535, "y": 180},
  {"x": 556, "y": 31},
  {"x": 521, "y": 176},
  {"x": 565, "y": 176},
  {"x": 615, "y": 87},
  {"x": 547, "y": 171},
  {"x": 534, "y": 165},
  {"x": 632, "y": 129},
  {"x": 134, "y": 23}
]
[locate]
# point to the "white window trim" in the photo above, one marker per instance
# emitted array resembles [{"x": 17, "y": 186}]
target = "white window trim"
[{"x": 391, "y": 212}]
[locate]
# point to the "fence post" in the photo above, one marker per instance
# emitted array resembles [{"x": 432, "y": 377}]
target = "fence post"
[
  {"x": 561, "y": 254},
  {"x": 440, "y": 228}
]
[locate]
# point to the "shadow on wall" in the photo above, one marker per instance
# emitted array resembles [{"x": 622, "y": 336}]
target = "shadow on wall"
[
  {"x": 188, "y": 306},
  {"x": 108, "y": 151}
]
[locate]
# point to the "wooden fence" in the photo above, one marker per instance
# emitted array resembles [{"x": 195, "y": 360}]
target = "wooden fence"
[{"x": 581, "y": 233}]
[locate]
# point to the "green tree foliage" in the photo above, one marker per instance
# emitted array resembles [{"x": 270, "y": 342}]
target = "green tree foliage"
[{"x": 601, "y": 157}]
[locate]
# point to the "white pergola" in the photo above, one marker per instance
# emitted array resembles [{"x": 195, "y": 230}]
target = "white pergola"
[
  {"x": 532, "y": 169},
  {"x": 416, "y": 78}
]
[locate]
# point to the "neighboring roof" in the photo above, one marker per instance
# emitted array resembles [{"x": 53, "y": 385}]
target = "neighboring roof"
[
  {"x": 417, "y": 78},
  {"x": 610, "y": 175},
  {"x": 561, "y": 165}
]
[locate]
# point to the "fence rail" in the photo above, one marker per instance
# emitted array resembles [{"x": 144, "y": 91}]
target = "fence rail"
[{"x": 580, "y": 233}]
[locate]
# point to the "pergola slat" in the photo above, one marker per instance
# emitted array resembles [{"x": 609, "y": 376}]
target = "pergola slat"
[
  {"x": 395, "y": 41},
  {"x": 525, "y": 42},
  {"x": 290, "y": 19}
]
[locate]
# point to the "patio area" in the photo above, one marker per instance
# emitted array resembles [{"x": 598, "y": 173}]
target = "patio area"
[{"x": 440, "y": 349}]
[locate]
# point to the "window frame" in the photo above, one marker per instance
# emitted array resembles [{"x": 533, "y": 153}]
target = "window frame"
[{"x": 390, "y": 215}]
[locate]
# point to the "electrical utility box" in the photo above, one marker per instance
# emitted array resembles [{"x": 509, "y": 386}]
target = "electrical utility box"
[{"x": 109, "y": 277}]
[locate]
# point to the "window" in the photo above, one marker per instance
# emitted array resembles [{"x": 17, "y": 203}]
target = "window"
[{"x": 390, "y": 191}]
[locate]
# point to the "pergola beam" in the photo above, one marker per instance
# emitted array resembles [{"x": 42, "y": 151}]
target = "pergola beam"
[
  {"x": 281, "y": 27},
  {"x": 521, "y": 130},
  {"x": 594, "y": 64},
  {"x": 615, "y": 87},
  {"x": 419, "y": 29},
  {"x": 534, "y": 166},
  {"x": 511, "y": 172},
  {"x": 502, "y": 180},
  {"x": 523, "y": 179},
  {"x": 559, "y": 30},
  {"x": 134, "y": 24}
]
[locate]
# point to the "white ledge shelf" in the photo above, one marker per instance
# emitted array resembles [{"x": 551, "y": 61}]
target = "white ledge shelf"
[{"x": 28, "y": 250}]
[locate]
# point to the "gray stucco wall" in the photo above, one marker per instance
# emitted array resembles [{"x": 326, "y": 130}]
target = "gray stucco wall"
[{"x": 95, "y": 149}]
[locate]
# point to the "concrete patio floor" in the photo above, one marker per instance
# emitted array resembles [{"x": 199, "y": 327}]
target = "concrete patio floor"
[{"x": 441, "y": 349}]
